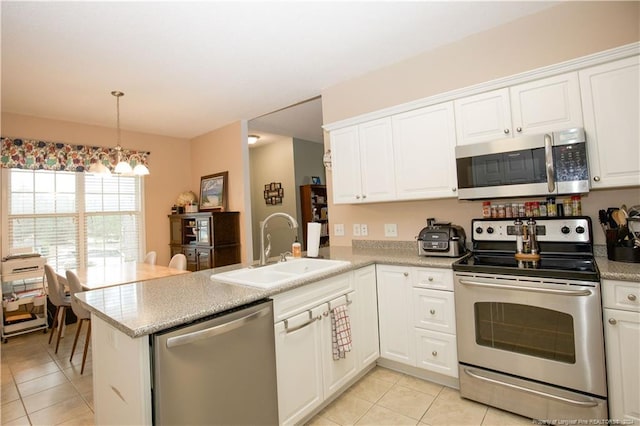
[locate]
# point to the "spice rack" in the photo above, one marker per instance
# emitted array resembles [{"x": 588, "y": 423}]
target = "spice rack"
[{"x": 546, "y": 208}]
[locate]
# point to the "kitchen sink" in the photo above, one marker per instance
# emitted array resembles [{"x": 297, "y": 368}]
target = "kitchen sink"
[{"x": 281, "y": 273}]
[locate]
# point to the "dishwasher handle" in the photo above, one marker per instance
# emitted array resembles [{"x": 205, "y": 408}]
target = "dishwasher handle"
[{"x": 217, "y": 330}]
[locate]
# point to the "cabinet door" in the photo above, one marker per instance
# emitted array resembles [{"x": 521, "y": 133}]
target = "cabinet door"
[
  {"x": 345, "y": 166},
  {"x": 434, "y": 310},
  {"x": 395, "y": 314},
  {"x": 204, "y": 259},
  {"x": 437, "y": 352},
  {"x": 203, "y": 231},
  {"x": 336, "y": 373},
  {"x": 546, "y": 105},
  {"x": 365, "y": 324},
  {"x": 376, "y": 161},
  {"x": 192, "y": 259},
  {"x": 299, "y": 367},
  {"x": 622, "y": 344},
  {"x": 424, "y": 144},
  {"x": 175, "y": 230},
  {"x": 611, "y": 97},
  {"x": 483, "y": 117}
]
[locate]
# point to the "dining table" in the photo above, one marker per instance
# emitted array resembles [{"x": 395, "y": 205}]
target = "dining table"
[{"x": 94, "y": 277}]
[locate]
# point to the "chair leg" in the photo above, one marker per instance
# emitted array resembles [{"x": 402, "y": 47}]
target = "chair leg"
[
  {"x": 86, "y": 346},
  {"x": 75, "y": 340},
  {"x": 63, "y": 311},
  {"x": 55, "y": 323}
]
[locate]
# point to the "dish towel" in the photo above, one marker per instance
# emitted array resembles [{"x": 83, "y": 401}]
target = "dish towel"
[{"x": 340, "y": 331}]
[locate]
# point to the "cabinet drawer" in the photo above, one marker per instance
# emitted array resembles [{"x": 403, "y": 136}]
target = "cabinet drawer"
[
  {"x": 434, "y": 310},
  {"x": 440, "y": 279},
  {"x": 302, "y": 298},
  {"x": 621, "y": 295},
  {"x": 437, "y": 352}
]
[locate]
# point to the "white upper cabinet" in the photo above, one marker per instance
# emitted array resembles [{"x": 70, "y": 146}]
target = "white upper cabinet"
[
  {"x": 611, "y": 96},
  {"x": 538, "y": 106},
  {"x": 423, "y": 145},
  {"x": 483, "y": 117},
  {"x": 362, "y": 158}
]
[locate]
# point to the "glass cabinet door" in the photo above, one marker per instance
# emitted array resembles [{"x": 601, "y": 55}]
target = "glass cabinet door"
[{"x": 202, "y": 227}]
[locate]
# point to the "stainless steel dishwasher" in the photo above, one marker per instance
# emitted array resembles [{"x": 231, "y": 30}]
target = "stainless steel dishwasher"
[{"x": 217, "y": 371}]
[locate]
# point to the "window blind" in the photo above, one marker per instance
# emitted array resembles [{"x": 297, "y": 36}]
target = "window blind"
[{"x": 73, "y": 219}]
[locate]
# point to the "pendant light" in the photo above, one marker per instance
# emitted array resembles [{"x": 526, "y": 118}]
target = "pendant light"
[{"x": 122, "y": 167}]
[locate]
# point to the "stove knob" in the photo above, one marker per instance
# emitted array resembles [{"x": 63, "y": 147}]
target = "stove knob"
[
  {"x": 580, "y": 230},
  {"x": 565, "y": 230},
  {"x": 490, "y": 230},
  {"x": 478, "y": 230}
]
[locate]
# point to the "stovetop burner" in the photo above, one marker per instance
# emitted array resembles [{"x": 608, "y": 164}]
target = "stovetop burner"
[
  {"x": 548, "y": 266},
  {"x": 565, "y": 245}
]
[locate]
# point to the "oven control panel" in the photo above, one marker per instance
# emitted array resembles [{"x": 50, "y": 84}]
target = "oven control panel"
[{"x": 560, "y": 229}]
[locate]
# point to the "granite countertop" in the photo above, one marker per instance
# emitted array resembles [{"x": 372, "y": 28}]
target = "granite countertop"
[{"x": 146, "y": 307}]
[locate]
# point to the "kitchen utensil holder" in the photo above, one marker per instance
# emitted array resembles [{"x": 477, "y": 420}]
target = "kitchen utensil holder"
[{"x": 621, "y": 250}]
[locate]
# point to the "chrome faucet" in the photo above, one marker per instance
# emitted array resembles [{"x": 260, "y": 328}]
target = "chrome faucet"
[{"x": 264, "y": 252}]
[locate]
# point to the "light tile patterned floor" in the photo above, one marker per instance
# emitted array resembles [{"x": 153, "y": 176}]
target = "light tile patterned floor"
[{"x": 43, "y": 388}]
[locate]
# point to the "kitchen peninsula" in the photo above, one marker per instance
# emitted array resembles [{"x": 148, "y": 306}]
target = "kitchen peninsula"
[{"x": 126, "y": 315}]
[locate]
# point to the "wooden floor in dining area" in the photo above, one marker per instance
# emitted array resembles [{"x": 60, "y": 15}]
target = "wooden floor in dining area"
[{"x": 40, "y": 387}]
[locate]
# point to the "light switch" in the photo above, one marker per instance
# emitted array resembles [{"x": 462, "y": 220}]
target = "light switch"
[
  {"x": 356, "y": 229},
  {"x": 338, "y": 230}
]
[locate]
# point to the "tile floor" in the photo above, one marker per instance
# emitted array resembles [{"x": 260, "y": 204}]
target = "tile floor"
[{"x": 43, "y": 388}]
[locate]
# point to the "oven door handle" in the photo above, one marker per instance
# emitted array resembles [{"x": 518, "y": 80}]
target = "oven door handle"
[
  {"x": 584, "y": 292},
  {"x": 584, "y": 404}
]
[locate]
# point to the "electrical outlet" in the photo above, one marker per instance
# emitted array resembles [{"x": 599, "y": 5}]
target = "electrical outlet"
[
  {"x": 356, "y": 229},
  {"x": 338, "y": 230},
  {"x": 390, "y": 230},
  {"x": 364, "y": 230}
]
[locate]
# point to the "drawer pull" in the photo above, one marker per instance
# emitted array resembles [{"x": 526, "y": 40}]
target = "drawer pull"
[
  {"x": 632, "y": 297},
  {"x": 612, "y": 321},
  {"x": 432, "y": 311},
  {"x": 430, "y": 279},
  {"x": 434, "y": 353},
  {"x": 406, "y": 274}
]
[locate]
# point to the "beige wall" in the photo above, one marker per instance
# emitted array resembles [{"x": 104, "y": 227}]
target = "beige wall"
[
  {"x": 567, "y": 31},
  {"x": 218, "y": 151},
  {"x": 168, "y": 163}
]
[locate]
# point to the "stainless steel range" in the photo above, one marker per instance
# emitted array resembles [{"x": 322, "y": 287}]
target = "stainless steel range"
[{"x": 530, "y": 336}]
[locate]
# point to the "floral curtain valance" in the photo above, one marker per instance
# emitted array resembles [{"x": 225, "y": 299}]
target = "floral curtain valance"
[{"x": 42, "y": 155}]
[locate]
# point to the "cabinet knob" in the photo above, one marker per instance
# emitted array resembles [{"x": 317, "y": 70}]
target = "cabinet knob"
[
  {"x": 454, "y": 189},
  {"x": 406, "y": 274},
  {"x": 519, "y": 129},
  {"x": 430, "y": 279},
  {"x": 364, "y": 196},
  {"x": 596, "y": 178},
  {"x": 506, "y": 131},
  {"x": 434, "y": 353},
  {"x": 357, "y": 197},
  {"x": 612, "y": 321},
  {"x": 632, "y": 297},
  {"x": 432, "y": 311}
]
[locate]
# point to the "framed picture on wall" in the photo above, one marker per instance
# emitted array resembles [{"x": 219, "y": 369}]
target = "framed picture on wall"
[
  {"x": 315, "y": 180},
  {"x": 213, "y": 192}
]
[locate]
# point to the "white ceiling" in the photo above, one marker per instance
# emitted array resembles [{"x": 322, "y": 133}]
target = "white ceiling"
[{"x": 187, "y": 68}]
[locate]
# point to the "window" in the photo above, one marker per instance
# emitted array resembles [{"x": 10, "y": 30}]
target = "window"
[{"x": 73, "y": 219}]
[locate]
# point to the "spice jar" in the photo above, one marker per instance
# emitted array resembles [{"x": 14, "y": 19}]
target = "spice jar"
[
  {"x": 494, "y": 211},
  {"x": 535, "y": 208},
  {"x": 576, "y": 204},
  {"x": 521, "y": 210},
  {"x": 508, "y": 210},
  {"x": 501, "y": 211},
  {"x": 486, "y": 209},
  {"x": 568, "y": 207},
  {"x": 551, "y": 207}
]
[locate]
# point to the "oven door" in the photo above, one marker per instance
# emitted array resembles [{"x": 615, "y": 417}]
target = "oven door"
[{"x": 547, "y": 330}]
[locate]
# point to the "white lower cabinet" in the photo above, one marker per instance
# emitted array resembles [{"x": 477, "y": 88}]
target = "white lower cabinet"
[
  {"x": 621, "y": 301},
  {"x": 306, "y": 371},
  {"x": 417, "y": 318}
]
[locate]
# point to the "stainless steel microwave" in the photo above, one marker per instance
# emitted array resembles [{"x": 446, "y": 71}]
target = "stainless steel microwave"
[{"x": 554, "y": 163}]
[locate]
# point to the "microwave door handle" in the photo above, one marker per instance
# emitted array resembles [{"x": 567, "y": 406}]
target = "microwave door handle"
[{"x": 548, "y": 159}]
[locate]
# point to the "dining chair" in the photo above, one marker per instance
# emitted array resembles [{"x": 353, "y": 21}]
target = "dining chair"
[
  {"x": 178, "y": 261},
  {"x": 150, "y": 258},
  {"x": 83, "y": 315},
  {"x": 60, "y": 300}
]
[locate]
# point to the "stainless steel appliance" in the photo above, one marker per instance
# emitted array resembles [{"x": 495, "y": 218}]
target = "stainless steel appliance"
[
  {"x": 441, "y": 239},
  {"x": 535, "y": 165},
  {"x": 220, "y": 370},
  {"x": 530, "y": 335}
]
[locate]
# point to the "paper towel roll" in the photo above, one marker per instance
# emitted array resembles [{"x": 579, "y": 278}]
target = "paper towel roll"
[{"x": 313, "y": 239}]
